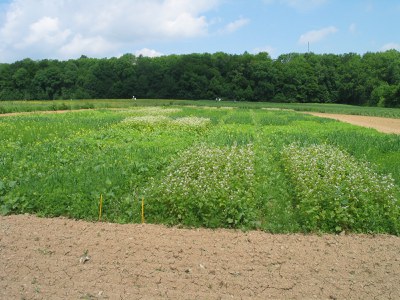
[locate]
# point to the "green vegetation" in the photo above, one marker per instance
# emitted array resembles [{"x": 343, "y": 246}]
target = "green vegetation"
[
  {"x": 334, "y": 191},
  {"x": 372, "y": 79},
  {"x": 44, "y": 105},
  {"x": 278, "y": 171},
  {"x": 206, "y": 186}
]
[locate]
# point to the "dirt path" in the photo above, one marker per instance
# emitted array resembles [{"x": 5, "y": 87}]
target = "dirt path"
[
  {"x": 386, "y": 125},
  {"x": 42, "y": 259}
]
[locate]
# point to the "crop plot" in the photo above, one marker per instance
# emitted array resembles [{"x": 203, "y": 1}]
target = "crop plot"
[
  {"x": 335, "y": 192},
  {"x": 207, "y": 186},
  {"x": 280, "y": 171}
]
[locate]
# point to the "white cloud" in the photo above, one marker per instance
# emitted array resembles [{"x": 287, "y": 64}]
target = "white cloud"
[
  {"x": 148, "y": 52},
  {"x": 316, "y": 35},
  {"x": 235, "y": 25},
  {"x": 68, "y": 27},
  {"x": 92, "y": 46},
  {"x": 46, "y": 30},
  {"x": 184, "y": 25},
  {"x": 390, "y": 46}
]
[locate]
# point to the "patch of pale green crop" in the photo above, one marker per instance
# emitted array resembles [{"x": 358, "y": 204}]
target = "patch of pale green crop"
[
  {"x": 335, "y": 192},
  {"x": 161, "y": 122},
  {"x": 155, "y": 110},
  {"x": 146, "y": 120},
  {"x": 191, "y": 122}
]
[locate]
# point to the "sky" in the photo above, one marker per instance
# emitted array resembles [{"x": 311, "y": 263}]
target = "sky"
[{"x": 67, "y": 29}]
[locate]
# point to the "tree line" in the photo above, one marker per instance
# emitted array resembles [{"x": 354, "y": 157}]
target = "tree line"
[{"x": 371, "y": 79}]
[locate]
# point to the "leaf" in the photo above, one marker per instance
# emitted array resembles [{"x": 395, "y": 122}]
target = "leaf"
[{"x": 4, "y": 210}]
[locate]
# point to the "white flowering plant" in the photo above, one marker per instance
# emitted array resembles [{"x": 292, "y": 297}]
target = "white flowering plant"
[
  {"x": 152, "y": 122},
  {"x": 206, "y": 186},
  {"x": 336, "y": 192},
  {"x": 191, "y": 122},
  {"x": 150, "y": 110}
]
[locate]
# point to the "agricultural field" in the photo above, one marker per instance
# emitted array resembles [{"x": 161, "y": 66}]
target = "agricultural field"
[
  {"x": 7, "y": 107},
  {"x": 202, "y": 166}
]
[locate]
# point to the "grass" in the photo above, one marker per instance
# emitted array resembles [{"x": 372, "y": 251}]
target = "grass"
[
  {"x": 28, "y": 106},
  {"x": 201, "y": 166}
]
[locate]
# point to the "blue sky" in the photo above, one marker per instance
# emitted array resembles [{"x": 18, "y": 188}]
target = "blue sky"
[{"x": 64, "y": 29}]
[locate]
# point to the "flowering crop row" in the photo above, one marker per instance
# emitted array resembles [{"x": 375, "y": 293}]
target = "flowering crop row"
[
  {"x": 150, "y": 119},
  {"x": 153, "y": 120},
  {"x": 206, "y": 185},
  {"x": 335, "y": 192},
  {"x": 151, "y": 110}
]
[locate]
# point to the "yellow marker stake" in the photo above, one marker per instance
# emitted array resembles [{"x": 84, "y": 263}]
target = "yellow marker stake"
[
  {"x": 100, "y": 206},
  {"x": 142, "y": 210}
]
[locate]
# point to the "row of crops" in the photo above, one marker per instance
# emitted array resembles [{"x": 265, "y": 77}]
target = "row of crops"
[
  {"x": 278, "y": 171},
  {"x": 53, "y": 105}
]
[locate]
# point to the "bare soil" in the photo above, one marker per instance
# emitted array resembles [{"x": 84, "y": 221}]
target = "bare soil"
[
  {"x": 386, "y": 125},
  {"x": 65, "y": 259}
]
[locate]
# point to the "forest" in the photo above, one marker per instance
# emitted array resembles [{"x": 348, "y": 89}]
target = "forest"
[{"x": 371, "y": 79}]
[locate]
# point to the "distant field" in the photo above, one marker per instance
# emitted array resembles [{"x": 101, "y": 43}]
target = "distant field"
[
  {"x": 278, "y": 171},
  {"x": 26, "y": 106}
]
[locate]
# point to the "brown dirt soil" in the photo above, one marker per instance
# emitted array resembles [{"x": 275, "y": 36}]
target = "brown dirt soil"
[
  {"x": 386, "y": 125},
  {"x": 44, "y": 259}
]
